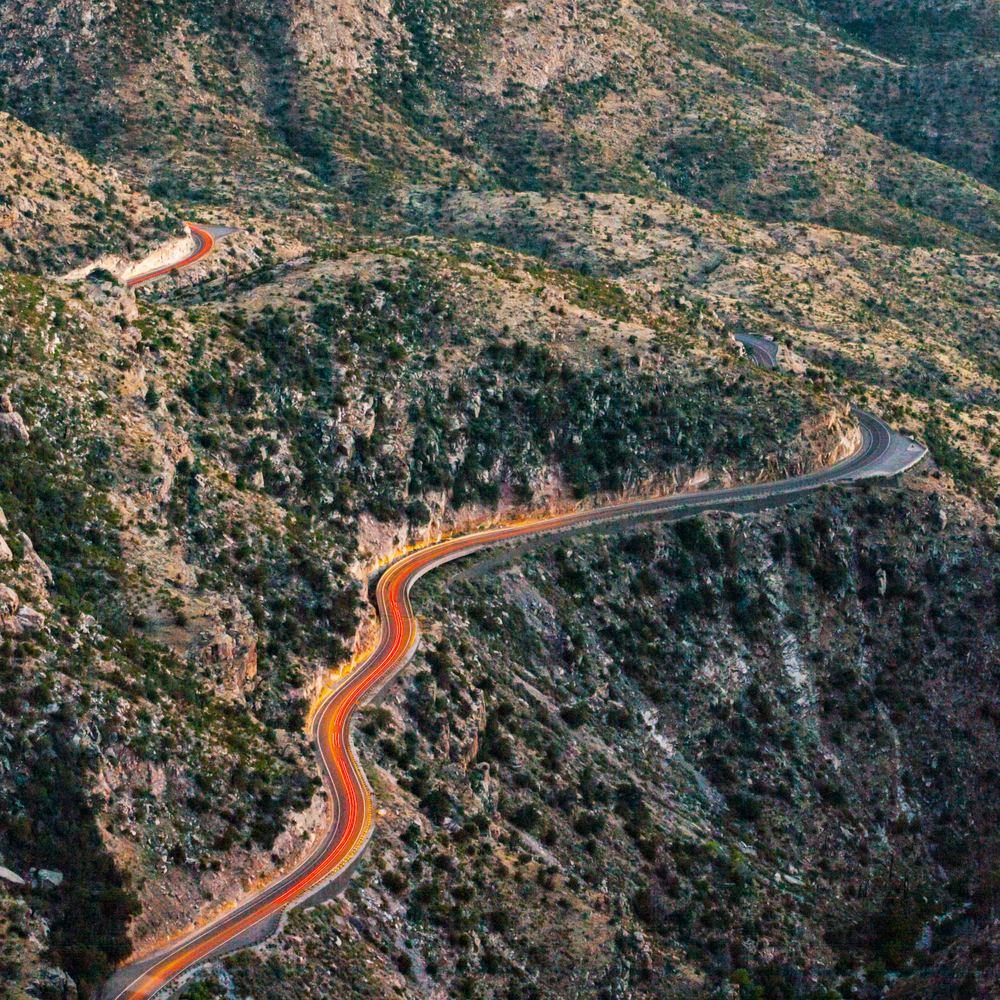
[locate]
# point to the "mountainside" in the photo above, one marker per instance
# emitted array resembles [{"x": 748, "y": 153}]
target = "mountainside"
[
  {"x": 649, "y": 763},
  {"x": 758, "y": 119},
  {"x": 490, "y": 264}
]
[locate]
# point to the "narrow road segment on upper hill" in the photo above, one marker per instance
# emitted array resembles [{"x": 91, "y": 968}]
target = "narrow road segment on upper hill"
[
  {"x": 763, "y": 350},
  {"x": 205, "y": 238},
  {"x": 882, "y": 453}
]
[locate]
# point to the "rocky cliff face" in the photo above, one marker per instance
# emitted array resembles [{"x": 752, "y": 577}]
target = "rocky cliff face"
[{"x": 831, "y": 439}]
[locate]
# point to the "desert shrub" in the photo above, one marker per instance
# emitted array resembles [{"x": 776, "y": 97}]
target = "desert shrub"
[
  {"x": 694, "y": 537},
  {"x": 747, "y": 807},
  {"x": 589, "y": 824},
  {"x": 527, "y": 817},
  {"x": 575, "y": 715},
  {"x": 395, "y": 882}
]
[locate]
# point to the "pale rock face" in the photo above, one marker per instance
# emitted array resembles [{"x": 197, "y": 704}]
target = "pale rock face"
[
  {"x": 129, "y": 308},
  {"x": 9, "y": 603},
  {"x": 486, "y": 794},
  {"x": 3, "y": 518},
  {"x": 50, "y": 876},
  {"x": 134, "y": 380},
  {"x": 301, "y": 827},
  {"x": 8, "y": 876},
  {"x": 12, "y": 426},
  {"x": 6, "y": 555},
  {"x": 221, "y": 647},
  {"x": 29, "y": 619},
  {"x": 157, "y": 780},
  {"x": 34, "y": 559},
  {"x": 233, "y": 653}
]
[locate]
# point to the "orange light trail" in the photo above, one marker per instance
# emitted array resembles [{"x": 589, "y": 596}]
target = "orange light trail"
[
  {"x": 330, "y": 718},
  {"x": 207, "y": 245}
]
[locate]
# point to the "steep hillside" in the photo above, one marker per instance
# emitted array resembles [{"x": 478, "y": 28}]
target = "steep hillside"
[
  {"x": 921, "y": 75},
  {"x": 651, "y": 764},
  {"x": 919, "y": 31},
  {"x": 193, "y": 494},
  {"x": 490, "y": 262}
]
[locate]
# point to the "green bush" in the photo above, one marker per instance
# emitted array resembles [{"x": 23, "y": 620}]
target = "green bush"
[
  {"x": 575, "y": 715},
  {"x": 395, "y": 882}
]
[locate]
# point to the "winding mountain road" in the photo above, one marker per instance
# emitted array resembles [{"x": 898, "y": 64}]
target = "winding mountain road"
[
  {"x": 205, "y": 238},
  {"x": 328, "y": 866}
]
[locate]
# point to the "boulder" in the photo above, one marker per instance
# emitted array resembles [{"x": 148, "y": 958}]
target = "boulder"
[
  {"x": 3, "y": 518},
  {"x": 50, "y": 877},
  {"x": 129, "y": 308},
  {"x": 11, "y": 424},
  {"x": 6, "y": 555},
  {"x": 234, "y": 654},
  {"x": 29, "y": 619},
  {"x": 8, "y": 876},
  {"x": 9, "y": 603},
  {"x": 34, "y": 560},
  {"x": 134, "y": 380},
  {"x": 52, "y": 982},
  {"x": 220, "y": 647}
]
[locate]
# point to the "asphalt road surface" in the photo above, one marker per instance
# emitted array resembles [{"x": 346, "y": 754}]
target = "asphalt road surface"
[
  {"x": 205, "y": 238},
  {"x": 763, "y": 351},
  {"x": 326, "y": 869}
]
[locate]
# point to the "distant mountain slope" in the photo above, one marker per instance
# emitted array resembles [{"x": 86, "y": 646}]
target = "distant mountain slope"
[
  {"x": 918, "y": 30},
  {"x": 745, "y": 117}
]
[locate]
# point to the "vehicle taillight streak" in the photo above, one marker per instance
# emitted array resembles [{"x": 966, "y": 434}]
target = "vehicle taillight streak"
[{"x": 882, "y": 452}]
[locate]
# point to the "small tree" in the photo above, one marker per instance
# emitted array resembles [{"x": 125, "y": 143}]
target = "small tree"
[{"x": 152, "y": 397}]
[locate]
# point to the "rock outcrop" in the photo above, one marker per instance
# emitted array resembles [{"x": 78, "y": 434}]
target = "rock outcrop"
[
  {"x": 231, "y": 651},
  {"x": 12, "y": 427},
  {"x": 9, "y": 604},
  {"x": 34, "y": 560},
  {"x": 29, "y": 620},
  {"x": 17, "y": 618},
  {"x": 12, "y": 877}
]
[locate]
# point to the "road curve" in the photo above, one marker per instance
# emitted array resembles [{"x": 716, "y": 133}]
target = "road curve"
[
  {"x": 882, "y": 452},
  {"x": 763, "y": 350},
  {"x": 205, "y": 238}
]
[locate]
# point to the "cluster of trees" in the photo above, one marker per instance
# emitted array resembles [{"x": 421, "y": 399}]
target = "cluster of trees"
[{"x": 52, "y": 825}]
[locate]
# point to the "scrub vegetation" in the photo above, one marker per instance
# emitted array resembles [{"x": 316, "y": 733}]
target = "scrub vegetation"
[{"x": 489, "y": 265}]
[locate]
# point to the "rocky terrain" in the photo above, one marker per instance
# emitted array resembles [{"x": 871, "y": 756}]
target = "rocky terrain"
[
  {"x": 490, "y": 262},
  {"x": 653, "y": 763},
  {"x": 209, "y": 485}
]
